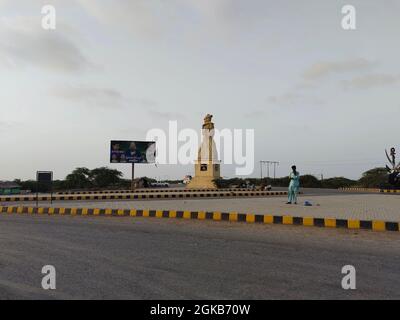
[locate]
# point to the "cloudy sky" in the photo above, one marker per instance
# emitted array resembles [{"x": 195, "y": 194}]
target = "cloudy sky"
[{"x": 321, "y": 97}]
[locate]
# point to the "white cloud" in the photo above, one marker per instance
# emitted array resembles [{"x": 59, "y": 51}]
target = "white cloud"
[
  {"x": 190, "y": 20},
  {"x": 24, "y": 43},
  {"x": 140, "y": 17},
  {"x": 294, "y": 100},
  {"x": 322, "y": 69},
  {"x": 90, "y": 96},
  {"x": 372, "y": 80},
  {"x": 165, "y": 115}
]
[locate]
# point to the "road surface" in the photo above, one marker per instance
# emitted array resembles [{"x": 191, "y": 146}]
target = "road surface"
[{"x": 142, "y": 258}]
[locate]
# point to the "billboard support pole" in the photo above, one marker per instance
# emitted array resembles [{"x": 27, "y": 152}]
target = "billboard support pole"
[
  {"x": 133, "y": 177},
  {"x": 37, "y": 190}
]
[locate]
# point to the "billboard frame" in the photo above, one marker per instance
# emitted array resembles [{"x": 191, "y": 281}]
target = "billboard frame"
[{"x": 132, "y": 163}]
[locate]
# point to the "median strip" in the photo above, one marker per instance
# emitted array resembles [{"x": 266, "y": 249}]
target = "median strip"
[
  {"x": 375, "y": 225},
  {"x": 150, "y": 191},
  {"x": 216, "y": 194}
]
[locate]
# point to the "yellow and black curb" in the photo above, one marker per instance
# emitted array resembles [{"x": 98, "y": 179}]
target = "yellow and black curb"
[
  {"x": 389, "y": 191},
  {"x": 372, "y": 190},
  {"x": 151, "y": 191},
  {"x": 231, "y": 194},
  {"x": 376, "y": 225}
]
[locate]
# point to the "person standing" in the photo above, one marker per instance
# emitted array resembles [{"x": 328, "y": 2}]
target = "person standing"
[{"x": 294, "y": 185}]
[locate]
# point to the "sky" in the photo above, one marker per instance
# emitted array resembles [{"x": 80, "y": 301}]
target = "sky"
[{"x": 316, "y": 95}]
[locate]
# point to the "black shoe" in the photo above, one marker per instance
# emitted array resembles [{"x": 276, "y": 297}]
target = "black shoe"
[{"x": 288, "y": 203}]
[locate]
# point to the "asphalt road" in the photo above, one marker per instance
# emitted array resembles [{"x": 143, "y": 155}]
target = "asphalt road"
[{"x": 143, "y": 258}]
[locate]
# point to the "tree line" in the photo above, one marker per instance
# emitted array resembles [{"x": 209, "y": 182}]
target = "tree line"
[
  {"x": 106, "y": 178},
  {"x": 374, "y": 178},
  {"x": 82, "y": 179}
]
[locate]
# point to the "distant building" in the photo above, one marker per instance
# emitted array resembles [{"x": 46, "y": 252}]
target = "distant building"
[{"x": 9, "y": 188}]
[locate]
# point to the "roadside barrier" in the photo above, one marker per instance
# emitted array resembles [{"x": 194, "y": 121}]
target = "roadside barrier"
[
  {"x": 152, "y": 191},
  {"x": 375, "y": 225},
  {"x": 215, "y": 194},
  {"x": 372, "y": 190}
]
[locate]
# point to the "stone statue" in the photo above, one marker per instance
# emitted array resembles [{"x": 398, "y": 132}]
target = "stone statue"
[
  {"x": 208, "y": 150},
  {"x": 208, "y": 123}
]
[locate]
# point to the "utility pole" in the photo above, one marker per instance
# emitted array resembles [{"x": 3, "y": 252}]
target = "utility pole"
[
  {"x": 268, "y": 163},
  {"x": 275, "y": 163}
]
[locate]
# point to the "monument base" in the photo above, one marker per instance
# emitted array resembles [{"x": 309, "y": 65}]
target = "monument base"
[
  {"x": 202, "y": 183},
  {"x": 205, "y": 173}
]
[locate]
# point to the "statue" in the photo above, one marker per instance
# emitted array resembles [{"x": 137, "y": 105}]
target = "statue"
[
  {"x": 394, "y": 171},
  {"x": 207, "y": 122},
  {"x": 207, "y": 166}
]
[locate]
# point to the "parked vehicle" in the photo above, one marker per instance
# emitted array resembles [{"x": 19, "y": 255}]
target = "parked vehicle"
[{"x": 160, "y": 185}]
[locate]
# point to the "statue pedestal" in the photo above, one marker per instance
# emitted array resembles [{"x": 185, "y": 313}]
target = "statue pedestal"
[{"x": 205, "y": 173}]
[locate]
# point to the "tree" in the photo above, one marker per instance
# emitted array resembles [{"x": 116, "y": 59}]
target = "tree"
[
  {"x": 309, "y": 181},
  {"x": 79, "y": 178},
  {"x": 374, "y": 178},
  {"x": 105, "y": 177},
  {"x": 338, "y": 182}
]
